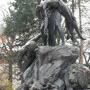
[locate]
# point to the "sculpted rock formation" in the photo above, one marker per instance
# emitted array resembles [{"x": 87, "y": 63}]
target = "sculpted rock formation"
[
  {"x": 52, "y": 68},
  {"x": 47, "y": 70},
  {"x": 77, "y": 77},
  {"x": 27, "y": 55}
]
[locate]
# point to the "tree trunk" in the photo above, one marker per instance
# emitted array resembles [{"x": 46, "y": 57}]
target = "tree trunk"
[
  {"x": 80, "y": 23},
  {"x": 73, "y": 5},
  {"x": 10, "y": 71}
]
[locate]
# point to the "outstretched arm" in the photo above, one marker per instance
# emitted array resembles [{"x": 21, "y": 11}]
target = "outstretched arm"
[
  {"x": 66, "y": 12},
  {"x": 69, "y": 17}
]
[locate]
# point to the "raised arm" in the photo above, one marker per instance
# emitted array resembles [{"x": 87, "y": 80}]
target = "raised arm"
[{"x": 66, "y": 12}]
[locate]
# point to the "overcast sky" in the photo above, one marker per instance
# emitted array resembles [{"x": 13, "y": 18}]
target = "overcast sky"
[
  {"x": 3, "y": 12},
  {"x": 3, "y": 8},
  {"x": 5, "y": 3}
]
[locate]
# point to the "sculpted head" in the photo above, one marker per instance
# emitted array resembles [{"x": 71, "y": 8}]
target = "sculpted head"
[{"x": 78, "y": 75}]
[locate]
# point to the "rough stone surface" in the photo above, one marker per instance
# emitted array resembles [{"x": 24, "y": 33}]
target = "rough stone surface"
[
  {"x": 77, "y": 77},
  {"x": 26, "y": 55},
  {"x": 47, "y": 69},
  {"x": 50, "y": 68}
]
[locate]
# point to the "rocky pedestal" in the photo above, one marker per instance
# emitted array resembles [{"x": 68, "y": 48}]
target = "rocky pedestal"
[
  {"x": 52, "y": 68},
  {"x": 47, "y": 70}
]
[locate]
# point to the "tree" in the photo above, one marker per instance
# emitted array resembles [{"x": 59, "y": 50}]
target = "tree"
[
  {"x": 23, "y": 15},
  {"x": 20, "y": 26},
  {"x": 9, "y": 54},
  {"x": 22, "y": 21}
]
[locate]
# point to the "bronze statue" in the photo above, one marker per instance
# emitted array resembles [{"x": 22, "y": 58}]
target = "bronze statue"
[
  {"x": 50, "y": 24},
  {"x": 49, "y": 8}
]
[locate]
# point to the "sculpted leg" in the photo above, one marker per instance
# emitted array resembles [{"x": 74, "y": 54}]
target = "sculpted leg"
[
  {"x": 51, "y": 36},
  {"x": 51, "y": 29},
  {"x": 58, "y": 29},
  {"x": 44, "y": 36},
  {"x": 61, "y": 34}
]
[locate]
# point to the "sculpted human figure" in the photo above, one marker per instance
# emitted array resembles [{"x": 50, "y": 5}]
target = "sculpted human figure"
[
  {"x": 50, "y": 24},
  {"x": 50, "y": 7}
]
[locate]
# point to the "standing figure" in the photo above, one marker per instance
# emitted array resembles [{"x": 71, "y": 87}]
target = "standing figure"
[
  {"x": 50, "y": 10},
  {"x": 50, "y": 24},
  {"x": 54, "y": 27}
]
